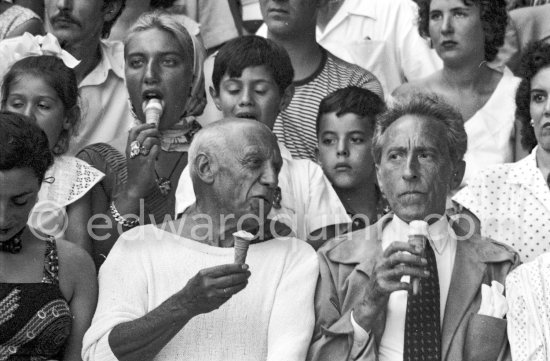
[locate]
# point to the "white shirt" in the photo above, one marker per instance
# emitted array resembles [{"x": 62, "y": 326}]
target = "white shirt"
[
  {"x": 491, "y": 129},
  {"x": 272, "y": 319},
  {"x": 512, "y": 202},
  {"x": 528, "y": 295},
  {"x": 104, "y": 102},
  {"x": 308, "y": 201},
  {"x": 382, "y": 37},
  {"x": 443, "y": 241}
]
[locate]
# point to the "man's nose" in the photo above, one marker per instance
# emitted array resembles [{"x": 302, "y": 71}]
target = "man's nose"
[
  {"x": 410, "y": 171},
  {"x": 64, "y": 4},
  {"x": 270, "y": 176},
  {"x": 547, "y": 108}
]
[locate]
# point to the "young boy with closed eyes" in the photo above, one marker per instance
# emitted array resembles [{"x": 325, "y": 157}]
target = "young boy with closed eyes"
[{"x": 252, "y": 78}]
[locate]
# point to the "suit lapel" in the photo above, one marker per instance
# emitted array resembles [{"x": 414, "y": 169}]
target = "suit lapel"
[{"x": 466, "y": 282}]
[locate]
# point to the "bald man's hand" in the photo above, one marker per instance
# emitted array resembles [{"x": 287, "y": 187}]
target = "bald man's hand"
[{"x": 212, "y": 287}]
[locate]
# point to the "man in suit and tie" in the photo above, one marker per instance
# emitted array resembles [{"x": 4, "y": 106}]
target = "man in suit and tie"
[{"x": 364, "y": 305}]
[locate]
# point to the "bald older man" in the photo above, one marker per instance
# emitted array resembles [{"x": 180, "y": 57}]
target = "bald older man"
[{"x": 171, "y": 291}]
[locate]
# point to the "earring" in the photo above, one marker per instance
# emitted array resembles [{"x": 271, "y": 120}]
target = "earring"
[
  {"x": 532, "y": 122},
  {"x": 277, "y": 197}
]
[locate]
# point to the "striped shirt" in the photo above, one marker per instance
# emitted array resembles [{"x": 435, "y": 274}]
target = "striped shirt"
[{"x": 295, "y": 126}]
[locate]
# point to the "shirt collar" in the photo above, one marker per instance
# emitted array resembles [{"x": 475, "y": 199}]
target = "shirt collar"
[
  {"x": 521, "y": 171},
  {"x": 112, "y": 59},
  {"x": 439, "y": 232},
  {"x": 360, "y": 7},
  {"x": 285, "y": 153}
]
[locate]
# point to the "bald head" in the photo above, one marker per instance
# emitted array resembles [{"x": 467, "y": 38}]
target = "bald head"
[{"x": 228, "y": 141}]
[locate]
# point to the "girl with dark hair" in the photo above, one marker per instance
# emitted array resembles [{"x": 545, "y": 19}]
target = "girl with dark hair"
[
  {"x": 44, "y": 89},
  {"x": 48, "y": 287},
  {"x": 466, "y": 34},
  {"x": 512, "y": 201}
]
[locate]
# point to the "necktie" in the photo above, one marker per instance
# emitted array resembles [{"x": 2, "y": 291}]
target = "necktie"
[{"x": 422, "y": 321}]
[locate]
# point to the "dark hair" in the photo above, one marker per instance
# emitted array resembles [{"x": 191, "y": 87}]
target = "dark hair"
[
  {"x": 23, "y": 145},
  {"x": 535, "y": 58},
  {"x": 351, "y": 99},
  {"x": 60, "y": 78},
  {"x": 493, "y": 18},
  {"x": 247, "y": 51},
  {"x": 108, "y": 25},
  {"x": 427, "y": 106}
]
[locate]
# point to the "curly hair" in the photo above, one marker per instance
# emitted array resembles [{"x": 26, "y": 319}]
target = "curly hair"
[
  {"x": 61, "y": 79},
  {"x": 535, "y": 58},
  {"x": 23, "y": 145},
  {"x": 427, "y": 106},
  {"x": 494, "y": 19}
]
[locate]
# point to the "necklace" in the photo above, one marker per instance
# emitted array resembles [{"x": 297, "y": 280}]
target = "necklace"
[
  {"x": 13, "y": 245},
  {"x": 165, "y": 184}
]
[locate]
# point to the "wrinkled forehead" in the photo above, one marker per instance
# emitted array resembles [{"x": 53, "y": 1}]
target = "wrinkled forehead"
[
  {"x": 412, "y": 132},
  {"x": 257, "y": 142}
]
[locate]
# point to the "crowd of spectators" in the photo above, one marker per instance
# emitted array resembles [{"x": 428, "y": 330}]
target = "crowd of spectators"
[{"x": 384, "y": 165}]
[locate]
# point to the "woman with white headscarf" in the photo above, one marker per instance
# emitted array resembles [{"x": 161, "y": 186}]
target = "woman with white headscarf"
[{"x": 163, "y": 68}]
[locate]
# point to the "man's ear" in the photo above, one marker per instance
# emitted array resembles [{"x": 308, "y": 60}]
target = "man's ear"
[
  {"x": 287, "y": 97},
  {"x": 111, "y": 10},
  {"x": 204, "y": 168},
  {"x": 458, "y": 174},
  {"x": 378, "y": 177},
  {"x": 215, "y": 97}
]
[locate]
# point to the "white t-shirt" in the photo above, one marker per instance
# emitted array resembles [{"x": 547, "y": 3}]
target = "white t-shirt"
[{"x": 271, "y": 319}]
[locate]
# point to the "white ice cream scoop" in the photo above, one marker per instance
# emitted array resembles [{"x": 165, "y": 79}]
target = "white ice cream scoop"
[{"x": 153, "y": 110}]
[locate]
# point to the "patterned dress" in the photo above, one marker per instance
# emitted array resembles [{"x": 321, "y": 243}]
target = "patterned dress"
[{"x": 35, "y": 318}]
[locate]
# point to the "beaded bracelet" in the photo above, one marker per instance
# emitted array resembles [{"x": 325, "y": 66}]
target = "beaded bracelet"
[{"x": 128, "y": 223}]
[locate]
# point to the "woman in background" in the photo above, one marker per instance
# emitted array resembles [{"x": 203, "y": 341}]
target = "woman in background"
[
  {"x": 466, "y": 35},
  {"x": 512, "y": 201}
]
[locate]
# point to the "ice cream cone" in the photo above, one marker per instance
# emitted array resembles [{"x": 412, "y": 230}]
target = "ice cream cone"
[{"x": 242, "y": 241}]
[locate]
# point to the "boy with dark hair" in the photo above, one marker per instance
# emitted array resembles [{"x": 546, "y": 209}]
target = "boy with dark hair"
[
  {"x": 252, "y": 78},
  {"x": 345, "y": 125}
]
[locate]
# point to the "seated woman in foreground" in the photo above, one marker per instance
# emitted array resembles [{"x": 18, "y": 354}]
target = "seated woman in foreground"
[{"x": 49, "y": 285}]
